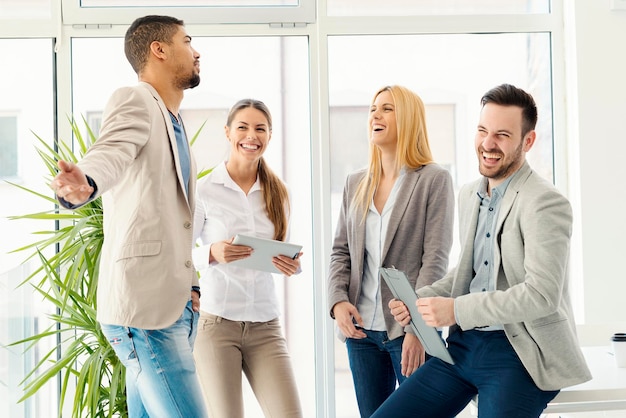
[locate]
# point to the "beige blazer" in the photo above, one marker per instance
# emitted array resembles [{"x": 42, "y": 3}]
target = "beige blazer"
[
  {"x": 418, "y": 240},
  {"x": 532, "y": 297},
  {"x": 146, "y": 271}
]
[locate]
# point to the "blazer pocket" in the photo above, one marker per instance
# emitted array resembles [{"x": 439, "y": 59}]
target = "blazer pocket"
[
  {"x": 140, "y": 249},
  {"x": 548, "y": 320}
]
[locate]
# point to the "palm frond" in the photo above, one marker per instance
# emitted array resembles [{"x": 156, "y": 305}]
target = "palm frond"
[{"x": 67, "y": 280}]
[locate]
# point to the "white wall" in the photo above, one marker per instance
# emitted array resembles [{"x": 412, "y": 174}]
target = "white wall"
[{"x": 601, "y": 129}]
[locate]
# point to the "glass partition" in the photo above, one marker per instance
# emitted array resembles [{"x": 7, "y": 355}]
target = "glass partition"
[
  {"x": 26, "y": 110},
  {"x": 450, "y": 73},
  {"x": 270, "y": 69},
  {"x": 191, "y": 11},
  {"x": 435, "y": 7}
]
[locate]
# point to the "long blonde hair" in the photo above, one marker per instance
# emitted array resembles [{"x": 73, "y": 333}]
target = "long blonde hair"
[
  {"x": 413, "y": 148},
  {"x": 274, "y": 190}
]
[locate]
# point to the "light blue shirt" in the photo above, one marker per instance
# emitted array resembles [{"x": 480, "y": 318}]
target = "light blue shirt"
[
  {"x": 183, "y": 151},
  {"x": 370, "y": 303},
  {"x": 484, "y": 241}
]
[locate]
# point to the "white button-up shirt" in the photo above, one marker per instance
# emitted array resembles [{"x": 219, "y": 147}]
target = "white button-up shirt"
[
  {"x": 223, "y": 210},
  {"x": 370, "y": 302}
]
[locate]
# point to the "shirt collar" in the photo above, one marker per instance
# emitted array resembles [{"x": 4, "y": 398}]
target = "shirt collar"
[{"x": 220, "y": 176}]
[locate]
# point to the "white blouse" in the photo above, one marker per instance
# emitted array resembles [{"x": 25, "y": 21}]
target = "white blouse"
[
  {"x": 370, "y": 304},
  {"x": 223, "y": 210}
]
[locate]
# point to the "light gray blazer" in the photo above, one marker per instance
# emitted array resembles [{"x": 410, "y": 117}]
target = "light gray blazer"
[
  {"x": 418, "y": 241},
  {"x": 532, "y": 288},
  {"x": 146, "y": 272}
]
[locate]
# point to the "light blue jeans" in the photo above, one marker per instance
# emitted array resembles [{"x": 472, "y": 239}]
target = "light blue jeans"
[{"x": 161, "y": 379}]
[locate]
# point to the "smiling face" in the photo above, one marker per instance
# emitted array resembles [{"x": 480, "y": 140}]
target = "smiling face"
[
  {"x": 249, "y": 134},
  {"x": 382, "y": 121},
  {"x": 500, "y": 148}
]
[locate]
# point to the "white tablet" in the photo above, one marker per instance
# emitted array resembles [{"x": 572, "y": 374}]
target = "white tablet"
[
  {"x": 402, "y": 290},
  {"x": 264, "y": 250}
]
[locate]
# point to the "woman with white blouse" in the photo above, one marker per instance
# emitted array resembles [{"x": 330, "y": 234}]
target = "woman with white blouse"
[{"x": 239, "y": 329}]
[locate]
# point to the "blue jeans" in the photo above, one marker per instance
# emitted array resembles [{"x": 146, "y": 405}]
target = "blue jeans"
[
  {"x": 161, "y": 379},
  {"x": 487, "y": 365},
  {"x": 375, "y": 366}
]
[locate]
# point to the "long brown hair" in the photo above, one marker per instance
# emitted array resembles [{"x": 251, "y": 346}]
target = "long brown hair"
[{"x": 274, "y": 190}]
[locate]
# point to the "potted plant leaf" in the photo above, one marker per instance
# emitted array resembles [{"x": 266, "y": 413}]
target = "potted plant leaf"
[{"x": 91, "y": 376}]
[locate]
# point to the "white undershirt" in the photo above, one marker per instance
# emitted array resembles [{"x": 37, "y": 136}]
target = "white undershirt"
[{"x": 370, "y": 304}]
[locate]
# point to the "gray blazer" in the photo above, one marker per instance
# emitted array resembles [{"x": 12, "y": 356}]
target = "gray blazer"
[
  {"x": 532, "y": 289},
  {"x": 146, "y": 272},
  {"x": 418, "y": 241}
]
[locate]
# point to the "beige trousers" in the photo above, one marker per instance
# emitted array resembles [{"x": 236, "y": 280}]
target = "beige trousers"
[{"x": 224, "y": 349}]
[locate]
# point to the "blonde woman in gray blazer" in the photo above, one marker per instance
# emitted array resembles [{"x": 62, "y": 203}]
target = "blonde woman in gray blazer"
[
  {"x": 507, "y": 302},
  {"x": 148, "y": 294},
  {"x": 397, "y": 212}
]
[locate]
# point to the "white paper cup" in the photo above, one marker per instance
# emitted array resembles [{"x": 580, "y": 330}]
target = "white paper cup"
[{"x": 618, "y": 341}]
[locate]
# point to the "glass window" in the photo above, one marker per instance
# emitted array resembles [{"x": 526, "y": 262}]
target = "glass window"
[
  {"x": 26, "y": 109},
  {"x": 435, "y": 7},
  {"x": 8, "y": 146},
  {"x": 274, "y": 70},
  {"x": 450, "y": 73},
  {"x": 186, "y": 3},
  {"x": 191, "y": 11}
]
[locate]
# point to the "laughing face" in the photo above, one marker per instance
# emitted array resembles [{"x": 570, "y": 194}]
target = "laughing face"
[
  {"x": 382, "y": 121},
  {"x": 500, "y": 148},
  {"x": 249, "y": 134}
]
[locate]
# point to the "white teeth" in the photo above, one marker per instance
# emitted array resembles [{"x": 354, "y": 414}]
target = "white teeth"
[
  {"x": 250, "y": 146},
  {"x": 491, "y": 155}
]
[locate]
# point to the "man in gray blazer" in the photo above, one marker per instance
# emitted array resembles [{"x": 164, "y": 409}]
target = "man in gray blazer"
[
  {"x": 507, "y": 303},
  {"x": 148, "y": 293}
]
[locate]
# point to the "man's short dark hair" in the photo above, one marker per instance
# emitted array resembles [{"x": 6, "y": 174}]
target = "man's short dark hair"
[
  {"x": 509, "y": 95},
  {"x": 145, "y": 30}
]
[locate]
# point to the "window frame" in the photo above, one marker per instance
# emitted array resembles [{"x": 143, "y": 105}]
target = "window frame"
[
  {"x": 304, "y": 12},
  {"x": 98, "y": 23}
]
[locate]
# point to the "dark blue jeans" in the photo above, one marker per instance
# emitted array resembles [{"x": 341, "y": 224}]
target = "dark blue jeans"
[
  {"x": 375, "y": 366},
  {"x": 487, "y": 365}
]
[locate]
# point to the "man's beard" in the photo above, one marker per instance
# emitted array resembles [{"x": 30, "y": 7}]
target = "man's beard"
[
  {"x": 189, "y": 82},
  {"x": 194, "y": 81},
  {"x": 505, "y": 170}
]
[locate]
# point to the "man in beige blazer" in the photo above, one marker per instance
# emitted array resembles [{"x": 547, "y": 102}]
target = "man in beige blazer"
[
  {"x": 507, "y": 303},
  {"x": 148, "y": 293}
]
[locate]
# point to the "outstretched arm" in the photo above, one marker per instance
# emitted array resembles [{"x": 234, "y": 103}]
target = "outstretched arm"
[{"x": 71, "y": 184}]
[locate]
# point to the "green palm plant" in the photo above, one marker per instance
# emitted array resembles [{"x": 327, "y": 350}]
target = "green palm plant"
[{"x": 68, "y": 280}]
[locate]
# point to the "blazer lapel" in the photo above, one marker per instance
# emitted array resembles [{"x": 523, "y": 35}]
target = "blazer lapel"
[
  {"x": 469, "y": 205},
  {"x": 511, "y": 194},
  {"x": 171, "y": 134}
]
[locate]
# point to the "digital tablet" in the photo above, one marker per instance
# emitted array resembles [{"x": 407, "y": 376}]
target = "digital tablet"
[
  {"x": 429, "y": 337},
  {"x": 264, "y": 250}
]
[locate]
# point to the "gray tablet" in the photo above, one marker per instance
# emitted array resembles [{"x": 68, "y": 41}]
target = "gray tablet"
[
  {"x": 402, "y": 290},
  {"x": 264, "y": 250}
]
